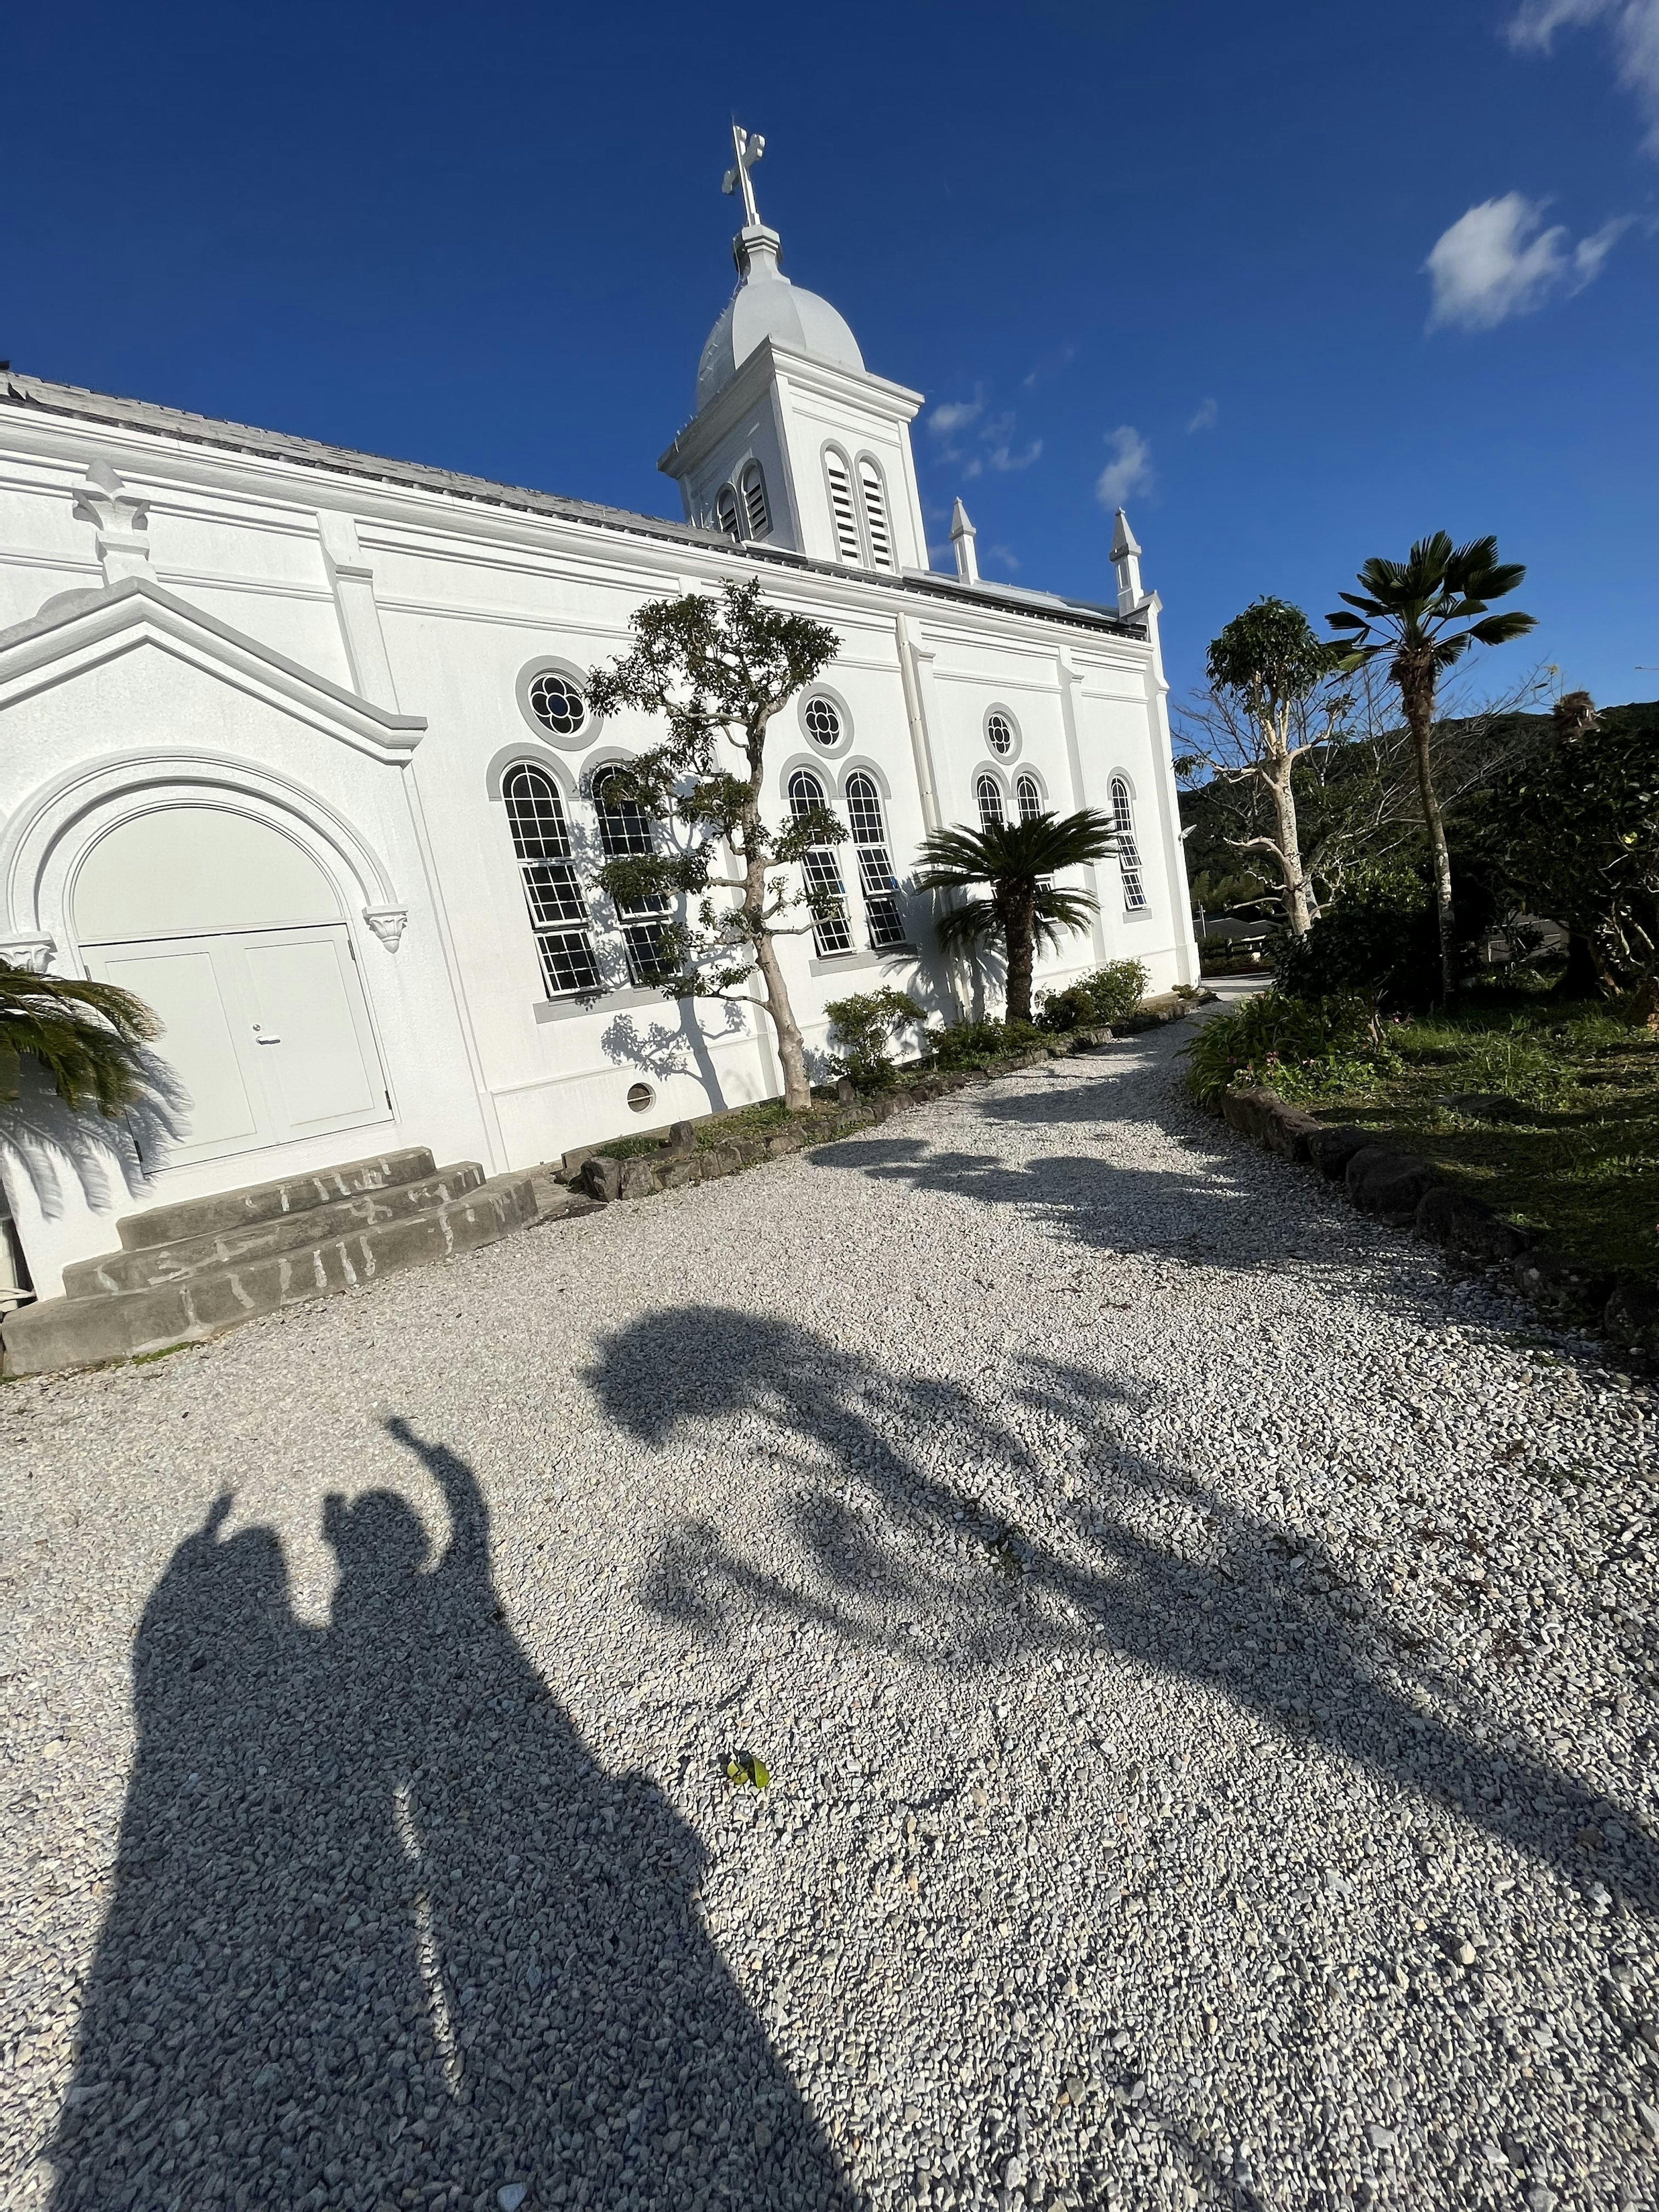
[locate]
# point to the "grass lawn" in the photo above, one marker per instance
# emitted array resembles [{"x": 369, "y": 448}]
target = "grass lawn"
[{"x": 1574, "y": 1155}]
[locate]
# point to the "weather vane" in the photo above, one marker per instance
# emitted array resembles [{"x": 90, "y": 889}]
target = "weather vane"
[{"x": 748, "y": 146}]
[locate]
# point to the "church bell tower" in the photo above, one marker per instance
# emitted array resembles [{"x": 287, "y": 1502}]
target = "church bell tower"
[{"x": 795, "y": 443}]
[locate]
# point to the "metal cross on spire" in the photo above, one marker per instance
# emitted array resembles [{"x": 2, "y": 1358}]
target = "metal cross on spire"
[{"x": 748, "y": 146}]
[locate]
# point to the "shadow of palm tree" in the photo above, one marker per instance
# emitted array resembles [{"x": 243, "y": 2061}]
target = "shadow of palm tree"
[
  {"x": 893, "y": 1556},
  {"x": 384, "y": 1932}
]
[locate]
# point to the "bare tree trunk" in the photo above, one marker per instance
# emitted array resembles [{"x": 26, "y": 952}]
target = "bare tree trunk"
[
  {"x": 791, "y": 1050},
  {"x": 1278, "y": 778},
  {"x": 1415, "y": 677},
  {"x": 1017, "y": 929}
]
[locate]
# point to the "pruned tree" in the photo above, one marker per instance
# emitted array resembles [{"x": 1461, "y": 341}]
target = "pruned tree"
[
  {"x": 1023, "y": 907},
  {"x": 717, "y": 670},
  {"x": 1410, "y": 611},
  {"x": 1272, "y": 698},
  {"x": 86, "y": 1036}
]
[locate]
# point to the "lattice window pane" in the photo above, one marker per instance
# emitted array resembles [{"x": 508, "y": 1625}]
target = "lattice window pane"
[
  {"x": 558, "y": 912},
  {"x": 806, "y": 793},
  {"x": 552, "y": 892},
  {"x": 1134, "y": 884},
  {"x": 1029, "y": 798},
  {"x": 864, "y": 810},
  {"x": 842, "y": 514},
  {"x": 642, "y": 940},
  {"x": 830, "y": 930},
  {"x": 756, "y": 514},
  {"x": 567, "y": 962},
  {"x": 989, "y": 798},
  {"x": 535, "y": 813},
  {"x": 880, "y": 889},
  {"x": 875, "y": 514}
]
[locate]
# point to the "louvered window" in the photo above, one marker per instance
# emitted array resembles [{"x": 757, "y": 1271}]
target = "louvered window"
[
  {"x": 875, "y": 514},
  {"x": 989, "y": 799},
  {"x": 1128, "y": 852},
  {"x": 725, "y": 509},
  {"x": 756, "y": 512},
  {"x": 558, "y": 912},
  {"x": 876, "y": 877},
  {"x": 821, "y": 873},
  {"x": 625, "y": 834},
  {"x": 842, "y": 515},
  {"x": 1029, "y": 798}
]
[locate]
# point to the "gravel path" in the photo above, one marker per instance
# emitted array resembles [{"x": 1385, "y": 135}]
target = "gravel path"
[{"x": 1202, "y": 1650}]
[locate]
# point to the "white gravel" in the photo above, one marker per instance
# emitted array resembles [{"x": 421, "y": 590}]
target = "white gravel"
[{"x": 1202, "y": 1650}]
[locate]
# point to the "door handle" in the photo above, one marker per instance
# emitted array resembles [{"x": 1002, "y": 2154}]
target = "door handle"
[{"x": 264, "y": 1036}]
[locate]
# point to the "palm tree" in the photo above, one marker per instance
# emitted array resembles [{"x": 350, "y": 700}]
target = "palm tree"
[
  {"x": 84, "y": 1035},
  {"x": 1415, "y": 605},
  {"x": 1015, "y": 862}
]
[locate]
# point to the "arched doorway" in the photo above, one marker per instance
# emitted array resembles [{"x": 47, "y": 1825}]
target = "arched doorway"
[{"x": 232, "y": 934}]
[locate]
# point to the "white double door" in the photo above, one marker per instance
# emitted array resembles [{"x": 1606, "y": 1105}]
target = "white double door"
[{"x": 265, "y": 1033}]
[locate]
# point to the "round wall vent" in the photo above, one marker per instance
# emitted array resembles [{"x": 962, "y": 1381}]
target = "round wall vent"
[{"x": 639, "y": 1096}]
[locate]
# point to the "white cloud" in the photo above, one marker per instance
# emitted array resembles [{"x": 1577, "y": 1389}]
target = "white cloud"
[
  {"x": 1495, "y": 262},
  {"x": 955, "y": 414},
  {"x": 1634, "y": 25},
  {"x": 1129, "y": 470},
  {"x": 1205, "y": 416},
  {"x": 999, "y": 437}
]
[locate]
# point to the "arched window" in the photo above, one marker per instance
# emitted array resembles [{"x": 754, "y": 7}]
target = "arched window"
[
  {"x": 876, "y": 877},
  {"x": 725, "y": 511},
  {"x": 842, "y": 515},
  {"x": 821, "y": 873},
  {"x": 625, "y": 834},
  {"x": 558, "y": 913},
  {"x": 876, "y": 526},
  {"x": 989, "y": 798},
  {"x": 1029, "y": 798},
  {"x": 757, "y": 514},
  {"x": 1128, "y": 853}
]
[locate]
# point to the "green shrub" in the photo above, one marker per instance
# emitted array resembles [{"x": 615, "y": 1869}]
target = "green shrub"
[
  {"x": 969, "y": 1043},
  {"x": 1107, "y": 995},
  {"x": 1378, "y": 937},
  {"x": 864, "y": 1026},
  {"x": 1302, "y": 1048}
]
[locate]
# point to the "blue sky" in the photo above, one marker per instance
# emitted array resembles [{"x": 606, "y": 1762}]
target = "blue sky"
[{"x": 1182, "y": 247}]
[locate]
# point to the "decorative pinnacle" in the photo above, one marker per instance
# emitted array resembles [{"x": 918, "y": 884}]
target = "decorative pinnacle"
[
  {"x": 963, "y": 535},
  {"x": 1123, "y": 539}
]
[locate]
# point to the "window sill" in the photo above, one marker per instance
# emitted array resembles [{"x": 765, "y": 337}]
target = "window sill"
[
  {"x": 843, "y": 964},
  {"x": 570, "y": 1010}
]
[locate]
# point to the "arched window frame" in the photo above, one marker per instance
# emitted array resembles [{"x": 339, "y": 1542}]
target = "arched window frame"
[
  {"x": 539, "y": 824},
  {"x": 875, "y": 514},
  {"x": 991, "y": 800},
  {"x": 1028, "y": 798},
  {"x": 728, "y": 512},
  {"x": 820, "y": 870},
  {"x": 840, "y": 486},
  {"x": 862, "y": 796},
  {"x": 624, "y": 830},
  {"x": 753, "y": 506},
  {"x": 1128, "y": 853}
]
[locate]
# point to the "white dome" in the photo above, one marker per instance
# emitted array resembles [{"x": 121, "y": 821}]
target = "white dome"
[{"x": 766, "y": 304}]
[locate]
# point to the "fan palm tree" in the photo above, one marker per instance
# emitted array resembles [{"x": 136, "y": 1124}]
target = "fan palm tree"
[
  {"x": 84, "y": 1035},
  {"x": 1021, "y": 909},
  {"x": 1409, "y": 610}
]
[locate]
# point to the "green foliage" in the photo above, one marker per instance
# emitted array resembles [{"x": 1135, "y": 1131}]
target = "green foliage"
[
  {"x": 1107, "y": 995},
  {"x": 85, "y": 1036},
  {"x": 1409, "y": 608},
  {"x": 1269, "y": 654},
  {"x": 1016, "y": 862},
  {"x": 1573, "y": 833},
  {"x": 865, "y": 1025},
  {"x": 1299, "y": 1047},
  {"x": 966, "y": 1044},
  {"x": 1377, "y": 937},
  {"x": 748, "y": 1766}
]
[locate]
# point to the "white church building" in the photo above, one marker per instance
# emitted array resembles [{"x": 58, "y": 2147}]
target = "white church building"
[{"x": 295, "y": 744}]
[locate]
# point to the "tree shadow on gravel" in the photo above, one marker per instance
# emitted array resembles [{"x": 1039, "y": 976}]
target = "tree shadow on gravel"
[
  {"x": 385, "y": 1933},
  {"x": 895, "y": 1556}
]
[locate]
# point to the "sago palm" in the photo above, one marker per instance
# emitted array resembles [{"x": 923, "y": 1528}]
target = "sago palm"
[
  {"x": 85, "y": 1036},
  {"x": 1409, "y": 610},
  {"x": 1018, "y": 907}
]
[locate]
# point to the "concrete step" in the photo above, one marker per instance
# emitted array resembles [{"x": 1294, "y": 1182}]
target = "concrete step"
[
  {"x": 151, "y": 1266},
  {"x": 268, "y": 1201},
  {"x": 81, "y": 1332}
]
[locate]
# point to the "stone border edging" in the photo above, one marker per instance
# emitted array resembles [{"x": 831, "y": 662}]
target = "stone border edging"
[{"x": 1407, "y": 1192}]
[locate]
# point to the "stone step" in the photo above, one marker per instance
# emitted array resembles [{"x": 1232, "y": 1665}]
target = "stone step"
[
  {"x": 82, "y": 1332},
  {"x": 151, "y": 1266},
  {"x": 267, "y": 1201}
]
